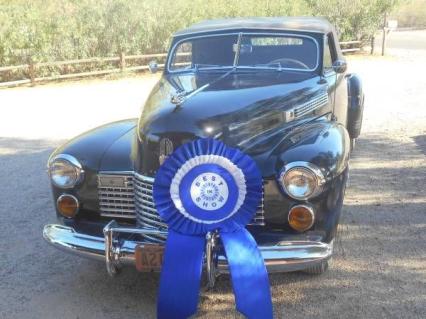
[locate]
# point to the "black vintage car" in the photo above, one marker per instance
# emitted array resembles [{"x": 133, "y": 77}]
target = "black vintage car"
[{"x": 275, "y": 88}]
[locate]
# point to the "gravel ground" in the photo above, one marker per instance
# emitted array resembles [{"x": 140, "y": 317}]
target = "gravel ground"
[{"x": 379, "y": 266}]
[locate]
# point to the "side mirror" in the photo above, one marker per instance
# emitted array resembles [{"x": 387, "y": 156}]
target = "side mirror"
[
  {"x": 153, "y": 66},
  {"x": 340, "y": 66}
]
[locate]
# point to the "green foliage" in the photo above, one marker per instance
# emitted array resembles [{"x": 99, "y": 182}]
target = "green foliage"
[
  {"x": 355, "y": 19},
  {"x": 411, "y": 13},
  {"x": 51, "y": 30}
]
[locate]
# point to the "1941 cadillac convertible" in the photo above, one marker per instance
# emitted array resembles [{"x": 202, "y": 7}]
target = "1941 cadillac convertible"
[{"x": 276, "y": 89}]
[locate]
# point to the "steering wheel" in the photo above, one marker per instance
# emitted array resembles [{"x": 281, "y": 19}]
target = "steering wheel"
[{"x": 284, "y": 61}]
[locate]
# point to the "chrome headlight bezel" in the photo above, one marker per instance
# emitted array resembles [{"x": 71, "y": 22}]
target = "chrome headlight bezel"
[
  {"x": 72, "y": 164},
  {"x": 315, "y": 173}
]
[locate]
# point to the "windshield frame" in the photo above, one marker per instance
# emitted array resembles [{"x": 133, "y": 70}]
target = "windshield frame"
[{"x": 235, "y": 65}]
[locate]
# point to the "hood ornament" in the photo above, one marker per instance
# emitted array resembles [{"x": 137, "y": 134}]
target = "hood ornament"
[
  {"x": 178, "y": 98},
  {"x": 166, "y": 148},
  {"x": 181, "y": 96}
]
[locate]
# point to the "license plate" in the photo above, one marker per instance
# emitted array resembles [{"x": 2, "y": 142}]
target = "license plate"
[{"x": 149, "y": 257}]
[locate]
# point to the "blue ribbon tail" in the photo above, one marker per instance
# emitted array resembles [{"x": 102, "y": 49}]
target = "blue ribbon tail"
[
  {"x": 249, "y": 276},
  {"x": 180, "y": 276}
]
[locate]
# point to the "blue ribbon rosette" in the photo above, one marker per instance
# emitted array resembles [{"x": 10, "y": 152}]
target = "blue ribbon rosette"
[{"x": 206, "y": 186}]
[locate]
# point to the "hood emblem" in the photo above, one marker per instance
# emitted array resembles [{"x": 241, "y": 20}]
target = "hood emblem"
[
  {"x": 181, "y": 95},
  {"x": 112, "y": 181},
  {"x": 166, "y": 148},
  {"x": 178, "y": 98}
]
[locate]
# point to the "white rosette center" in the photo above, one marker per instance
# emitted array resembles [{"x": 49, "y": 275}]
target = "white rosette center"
[{"x": 209, "y": 191}]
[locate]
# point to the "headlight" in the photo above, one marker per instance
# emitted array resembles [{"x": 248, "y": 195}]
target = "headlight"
[
  {"x": 301, "y": 180},
  {"x": 65, "y": 171}
]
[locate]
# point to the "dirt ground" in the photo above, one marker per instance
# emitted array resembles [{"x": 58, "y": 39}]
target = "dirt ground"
[{"x": 379, "y": 264}]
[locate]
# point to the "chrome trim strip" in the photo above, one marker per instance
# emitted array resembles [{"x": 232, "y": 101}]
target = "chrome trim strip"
[
  {"x": 173, "y": 49},
  {"x": 104, "y": 193},
  {"x": 283, "y": 257},
  {"x": 247, "y": 28},
  {"x": 124, "y": 204},
  {"x": 116, "y": 172},
  {"x": 115, "y": 209},
  {"x": 308, "y": 107},
  {"x": 146, "y": 178},
  {"x": 66, "y": 157},
  {"x": 149, "y": 191},
  {"x": 124, "y": 216}
]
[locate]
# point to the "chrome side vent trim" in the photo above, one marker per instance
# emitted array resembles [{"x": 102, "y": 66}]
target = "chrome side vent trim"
[{"x": 306, "y": 108}]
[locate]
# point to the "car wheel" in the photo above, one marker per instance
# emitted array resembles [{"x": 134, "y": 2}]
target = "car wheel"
[{"x": 317, "y": 269}]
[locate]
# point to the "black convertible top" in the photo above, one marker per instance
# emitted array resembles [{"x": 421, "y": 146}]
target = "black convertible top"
[{"x": 308, "y": 24}]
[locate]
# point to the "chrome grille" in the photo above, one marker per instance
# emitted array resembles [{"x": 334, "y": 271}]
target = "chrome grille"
[
  {"x": 147, "y": 216},
  {"x": 116, "y": 199},
  {"x": 135, "y": 200}
]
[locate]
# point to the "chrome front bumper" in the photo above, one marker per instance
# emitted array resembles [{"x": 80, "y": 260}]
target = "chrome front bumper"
[{"x": 283, "y": 257}]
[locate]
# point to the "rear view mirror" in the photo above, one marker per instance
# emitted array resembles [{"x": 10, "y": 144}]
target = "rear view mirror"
[
  {"x": 153, "y": 66},
  {"x": 244, "y": 48},
  {"x": 340, "y": 66}
]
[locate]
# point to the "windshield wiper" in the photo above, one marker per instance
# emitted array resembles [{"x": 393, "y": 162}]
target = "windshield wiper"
[{"x": 199, "y": 66}]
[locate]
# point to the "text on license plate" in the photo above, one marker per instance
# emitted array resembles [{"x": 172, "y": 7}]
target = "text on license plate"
[{"x": 149, "y": 257}]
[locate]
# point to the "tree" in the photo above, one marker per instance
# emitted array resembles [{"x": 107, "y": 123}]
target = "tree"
[{"x": 354, "y": 19}]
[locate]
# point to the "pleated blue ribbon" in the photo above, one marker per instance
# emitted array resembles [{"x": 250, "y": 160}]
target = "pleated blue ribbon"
[{"x": 206, "y": 186}]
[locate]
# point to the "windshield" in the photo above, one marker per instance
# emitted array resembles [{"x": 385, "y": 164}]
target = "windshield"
[{"x": 265, "y": 51}]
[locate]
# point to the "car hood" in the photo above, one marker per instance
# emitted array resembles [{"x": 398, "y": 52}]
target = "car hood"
[{"x": 243, "y": 109}]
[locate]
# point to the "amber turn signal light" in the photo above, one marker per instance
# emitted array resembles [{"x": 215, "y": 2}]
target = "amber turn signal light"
[
  {"x": 67, "y": 205},
  {"x": 301, "y": 218}
]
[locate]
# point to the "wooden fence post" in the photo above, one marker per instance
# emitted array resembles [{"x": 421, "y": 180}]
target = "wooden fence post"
[
  {"x": 385, "y": 19},
  {"x": 122, "y": 61},
  {"x": 31, "y": 71}
]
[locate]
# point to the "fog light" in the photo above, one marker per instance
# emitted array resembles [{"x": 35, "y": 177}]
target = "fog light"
[
  {"x": 301, "y": 217},
  {"x": 67, "y": 205}
]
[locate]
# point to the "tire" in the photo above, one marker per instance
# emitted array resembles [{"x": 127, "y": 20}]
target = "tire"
[{"x": 317, "y": 269}]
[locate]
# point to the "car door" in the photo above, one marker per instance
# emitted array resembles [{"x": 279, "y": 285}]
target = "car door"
[{"x": 337, "y": 86}]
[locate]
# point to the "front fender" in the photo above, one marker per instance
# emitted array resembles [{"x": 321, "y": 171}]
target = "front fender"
[
  {"x": 107, "y": 147},
  {"x": 325, "y": 144},
  {"x": 90, "y": 147}
]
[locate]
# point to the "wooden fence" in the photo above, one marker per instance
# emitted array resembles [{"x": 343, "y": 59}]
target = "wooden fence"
[
  {"x": 121, "y": 64},
  {"x": 351, "y": 46}
]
